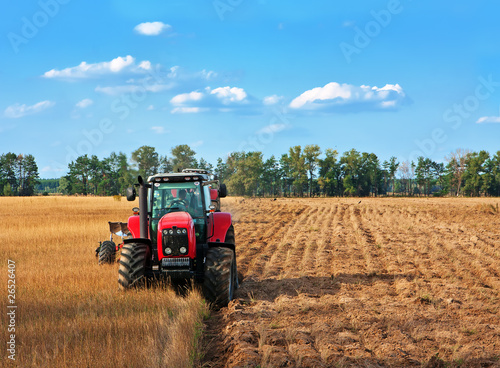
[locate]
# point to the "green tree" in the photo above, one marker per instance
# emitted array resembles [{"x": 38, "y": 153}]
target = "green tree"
[
  {"x": 7, "y": 190},
  {"x": 350, "y": 166},
  {"x": 64, "y": 185},
  {"x": 457, "y": 163},
  {"x": 393, "y": 167},
  {"x": 474, "y": 173},
  {"x": 311, "y": 161},
  {"x": 8, "y": 164},
  {"x": 247, "y": 173},
  {"x": 183, "y": 158},
  {"x": 371, "y": 173},
  {"x": 79, "y": 175},
  {"x": 297, "y": 164},
  {"x": 29, "y": 177},
  {"x": 330, "y": 180},
  {"x": 146, "y": 160},
  {"x": 205, "y": 165},
  {"x": 424, "y": 173},
  {"x": 286, "y": 174}
]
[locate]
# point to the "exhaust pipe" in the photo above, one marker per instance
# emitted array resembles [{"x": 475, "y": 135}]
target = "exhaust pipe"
[{"x": 143, "y": 207}]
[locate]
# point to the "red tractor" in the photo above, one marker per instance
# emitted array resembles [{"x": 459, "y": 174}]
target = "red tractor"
[{"x": 180, "y": 233}]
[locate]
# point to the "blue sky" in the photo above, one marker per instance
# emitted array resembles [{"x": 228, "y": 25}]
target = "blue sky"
[{"x": 403, "y": 78}]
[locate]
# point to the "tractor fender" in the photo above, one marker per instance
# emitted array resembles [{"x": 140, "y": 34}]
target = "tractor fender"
[
  {"x": 142, "y": 241},
  {"x": 133, "y": 225},
  {"x": 218, "y": 224}
]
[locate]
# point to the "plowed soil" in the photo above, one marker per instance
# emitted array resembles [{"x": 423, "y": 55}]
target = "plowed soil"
[{"x": 369, "y": 283}]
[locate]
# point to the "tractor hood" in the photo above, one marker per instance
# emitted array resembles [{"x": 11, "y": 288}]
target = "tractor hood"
[
  {"x": 179, "y": 219},
  {"x": 176, "y": 230}
]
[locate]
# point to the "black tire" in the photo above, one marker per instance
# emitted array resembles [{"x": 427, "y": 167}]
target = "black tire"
[
  {"x": 231, "y": 239},
  {"x": 218, "y": 283},
  {"x": 107, "y": 252},
  {"x": 133, "y": 263}
]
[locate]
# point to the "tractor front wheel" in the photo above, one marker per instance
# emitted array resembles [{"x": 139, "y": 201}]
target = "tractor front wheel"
[
  {"x": 218, "y": 284},
  {"x": 133, "y": 263},
  {"x": 107, "y": 252}
]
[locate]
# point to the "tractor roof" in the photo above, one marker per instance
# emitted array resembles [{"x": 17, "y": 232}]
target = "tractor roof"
[{"x": 179, "y": 177}]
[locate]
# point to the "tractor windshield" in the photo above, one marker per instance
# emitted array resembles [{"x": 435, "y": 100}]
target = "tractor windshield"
[{"x": 173, "y": 197}]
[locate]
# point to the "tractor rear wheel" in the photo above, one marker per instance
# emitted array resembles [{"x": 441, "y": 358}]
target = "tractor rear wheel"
[
  {"x": 133, "y": 262},
  {"x": 107, "y": 252},
  {"x": 231, "y": 240},
  {"x": 218, "y": 284}
]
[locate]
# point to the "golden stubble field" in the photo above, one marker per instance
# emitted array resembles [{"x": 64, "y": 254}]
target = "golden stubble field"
[
  {"x": 70, "y": 312},
  {"x": 324, "y": 283}
]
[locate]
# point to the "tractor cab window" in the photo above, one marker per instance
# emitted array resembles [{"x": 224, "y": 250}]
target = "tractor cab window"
[
  {"x": 174, "y": 197},
  {"x": 208, "y": 201}
]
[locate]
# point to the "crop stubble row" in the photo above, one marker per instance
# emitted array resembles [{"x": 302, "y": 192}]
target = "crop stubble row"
[{"x": 329, "y": 282}]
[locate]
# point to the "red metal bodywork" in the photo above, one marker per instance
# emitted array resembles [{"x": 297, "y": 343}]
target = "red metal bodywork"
[
  {"x": 133, "y": 226},
  {"x": 218, "y": 223},
  {"x": 214, "y": 194},
  {"x": 181, "y": 220}
]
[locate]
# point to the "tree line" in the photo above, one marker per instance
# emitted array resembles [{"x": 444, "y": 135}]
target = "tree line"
[
  {"x": 309, "y": 171},
  {"x": 18, "y": 174},
  {"x": 302, "y": 171}
]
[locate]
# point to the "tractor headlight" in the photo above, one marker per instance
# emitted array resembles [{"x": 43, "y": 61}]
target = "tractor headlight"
[
  {"x": 183, "y": 250},
  {"x": 165, "y": 232},
  {"x": 168, "y": 250},
  {"x": 171, "y": 232},
  {"x": 184, "y": 231},
  {"x": 178, "y": 231}
]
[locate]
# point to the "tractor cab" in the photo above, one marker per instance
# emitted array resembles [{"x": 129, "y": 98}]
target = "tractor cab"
[
  {"x": 181, "y": 233},
  {"x": 180, "y": 193}
]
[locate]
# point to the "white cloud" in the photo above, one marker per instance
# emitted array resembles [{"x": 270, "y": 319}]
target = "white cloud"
[
  {"x": 146, "y": 65},
  {"x": 85, "y": 70},
  {"x": 86, "y": 102},
  {"x": 156, "y": 80},
  {"x": 186, "y": 97},
  {"x": 176, "y": 72},
  {"x": 488, "y": 119},
  {"x": 151, "y": 28},
  {"x": 130, "y": 88},
  {"x": 335, "y": 97},
  {"x": 18, "y": 110},
  {"x": 187, "y": 110},
  {"x": 229, "y": 94},
  {"x": 150, "y": 107},
  {"x": 224, "y": 99},
  {"x": 272, "y": 100},
  {"x": 272, "y": 128},
  {"x": 196, "y": 144},
  {"x": 159, "y": 130}
]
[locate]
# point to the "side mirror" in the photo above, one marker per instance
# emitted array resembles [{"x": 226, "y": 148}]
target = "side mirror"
[
  {"x": 131, "y": 194},
  {"x": 222, "y": 191}
]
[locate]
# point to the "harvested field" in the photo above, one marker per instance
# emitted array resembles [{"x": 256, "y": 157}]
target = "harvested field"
[
  {"x": 70, "y": 312},
  {"x": 324, "y": 283},
  {"x": 377, "y": 282}
]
